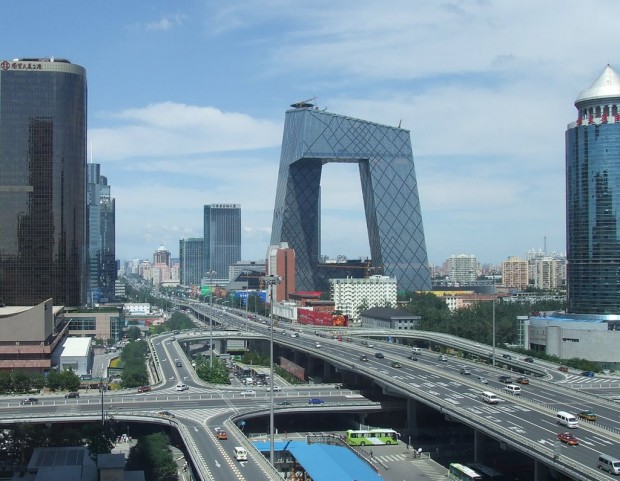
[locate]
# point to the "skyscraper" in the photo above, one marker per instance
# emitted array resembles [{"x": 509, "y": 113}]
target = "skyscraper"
[
  {"x": 101, "y": 237},
  {"x": 593, "y": 199},
  {"x": 313, "y": 138},
  {"x": 42, "y": 181},
  {"x": 191, "y": 255},
  {"x": 222, "y": 239}
]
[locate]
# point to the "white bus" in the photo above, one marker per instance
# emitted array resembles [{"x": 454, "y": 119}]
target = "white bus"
[{"x": 458, "y": 472}]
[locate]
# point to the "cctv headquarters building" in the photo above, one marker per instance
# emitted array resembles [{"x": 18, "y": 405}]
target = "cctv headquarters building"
[{"x": 314, "y": 137}]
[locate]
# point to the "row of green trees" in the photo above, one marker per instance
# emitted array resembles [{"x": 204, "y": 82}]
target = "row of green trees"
[
  {"x": 17, "y": 382},
  {"x": 218, "y": 374},
  {"x": 152, "y": 454},
  {"x": 133, "y": 359}
]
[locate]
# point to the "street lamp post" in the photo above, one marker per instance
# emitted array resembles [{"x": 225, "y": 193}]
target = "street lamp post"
[
  {"x": 211, "y": 276},
  {"x": 271, "y": 281}
]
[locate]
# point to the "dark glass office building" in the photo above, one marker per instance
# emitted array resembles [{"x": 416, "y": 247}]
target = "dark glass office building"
[
  {"x": 42, "y": 182},
  {"x": 315, "y": 137},
  {"x": 101, "y": 214},
  {"x": 593, "y": 199},
  {"x": 191, "y": 255},
  {"x": 222, "y": 239}
]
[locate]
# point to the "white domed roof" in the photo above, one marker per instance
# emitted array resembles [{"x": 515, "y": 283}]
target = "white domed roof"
[{"x": 604, "y": 87}]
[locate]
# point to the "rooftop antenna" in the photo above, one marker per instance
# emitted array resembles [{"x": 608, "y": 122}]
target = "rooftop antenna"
[{"x": 400, "y": 122}]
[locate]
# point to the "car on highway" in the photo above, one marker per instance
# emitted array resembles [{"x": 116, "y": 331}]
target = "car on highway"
[
  {"x": 315, "y": 400},
  {"x": 563, "y": 368},
  {"x": 379, "y": 355},
  {"x": 528, "y": 359},
  {"x": 275, "y": 388},
  {"x": 182, "y": 387},
  {"x": 587, "y": 373},
  {"x": 29, "y": 400},
  {"x": 411, "y": 357},
  {"x": 505, "y": 379},
  {"x": 294, "y": 334},
  {"x": 522, "y": 380},
  {"x": 317, "y": 344},
  {"x": 168, "y": 414},
  {"x": 442, "y": 357},
  {"x": 364, "y": 358},
  {"x": 568, "y": 438},
  {"x": 248, "y": 392},
  {"x": 507, "y": 356},
  {"x": 396, "y": 365},
  {"x": 482, "y": 380},
  {"x": 465, "y": 371},
  {"x": 284, "y": 403},
  {"x": 142, "y": 389},
  {"x": 73, "y": 394},
  {"x": 587, "y": 414},
  {"x": 220, "y": 433}
]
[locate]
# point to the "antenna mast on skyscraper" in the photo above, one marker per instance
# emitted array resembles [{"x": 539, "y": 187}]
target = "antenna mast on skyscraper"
[{"x": 305, "y": 104}]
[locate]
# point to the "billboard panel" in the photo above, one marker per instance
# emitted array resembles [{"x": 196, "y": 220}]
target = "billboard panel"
[{"x": 314, "y": 318}]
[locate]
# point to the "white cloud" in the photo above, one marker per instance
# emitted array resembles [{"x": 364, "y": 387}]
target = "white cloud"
[{"x": 170, "y": 128}]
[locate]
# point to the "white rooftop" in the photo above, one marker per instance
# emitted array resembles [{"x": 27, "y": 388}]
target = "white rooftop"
[
  {"x": 607, "y": 85},
  {"x": 76, "y": 346}
]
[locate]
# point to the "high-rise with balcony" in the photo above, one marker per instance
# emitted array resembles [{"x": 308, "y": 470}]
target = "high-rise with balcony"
[
  {"x": 462, "y": 268},
  {"x": 43, "y": 232},
  {"x": 515, "y": 273},
  {"x": 593, "y": 199},
  {"x": 222, "y": 239}
]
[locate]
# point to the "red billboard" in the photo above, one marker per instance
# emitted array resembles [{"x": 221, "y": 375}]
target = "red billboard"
[{"x": 314, "y": 318}]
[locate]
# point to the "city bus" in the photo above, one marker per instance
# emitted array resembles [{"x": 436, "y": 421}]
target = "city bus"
[
  {"x": 486, "y": 472},
  {"x": 459, "y": 472},
  {"x": 371, "y": 437}
]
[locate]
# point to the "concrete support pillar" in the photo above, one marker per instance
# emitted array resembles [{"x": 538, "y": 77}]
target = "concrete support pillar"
[
  {"x": 412, "y": 417},
  {"x": 477, "y": 446},
  {"x": 541, "y": 471}
]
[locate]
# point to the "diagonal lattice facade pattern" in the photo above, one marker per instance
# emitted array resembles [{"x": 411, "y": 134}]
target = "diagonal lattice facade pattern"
[{"x": 313, "y": 138}]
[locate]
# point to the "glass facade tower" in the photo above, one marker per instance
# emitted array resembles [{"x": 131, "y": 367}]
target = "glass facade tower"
[
  {"x": 101, "y": 214},
  {"x": 191, "y": 253},
  {"x": 313, "y": 138},
  {"x": 593, "y": 199},
  {"x": 222, "y": 239},
  {"x": 42, "y": 182}
]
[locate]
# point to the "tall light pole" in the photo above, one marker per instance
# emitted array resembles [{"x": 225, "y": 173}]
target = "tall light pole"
[
  {"x": 247, "y": 299},
  {"x": 270, "y": 282},
  {"x": 211, "y": 275}
]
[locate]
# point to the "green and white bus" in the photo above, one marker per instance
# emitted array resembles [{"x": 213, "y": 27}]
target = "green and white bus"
[
  {"x": 459, "y": 472},
  {"x": 371, "y": 437}
]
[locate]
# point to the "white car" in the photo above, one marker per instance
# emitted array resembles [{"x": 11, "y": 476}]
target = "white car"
[
  {"x": 275, "y": 388},
  {"x": 182, "y": 387},
  {"x": 318, "y": 344},
  {"x": 248, "y": 392}
]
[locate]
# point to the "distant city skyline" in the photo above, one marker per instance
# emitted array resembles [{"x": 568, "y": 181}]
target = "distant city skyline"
[{"x": 187, "y": 101}]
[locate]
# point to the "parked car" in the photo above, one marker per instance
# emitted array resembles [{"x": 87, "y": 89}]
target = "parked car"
[
  {"x": 379, "y": 355},
  {"x": 29, "y": 400},
  {"x": 568, "y": 438},
  {"x": 74, "y": 394},
  {"x": 587, "y": 414},
  {"x": 522, "y": 380},
  {"x": 315, "y": 400},
  {"x": 588, "y": 373},
  {"x": 396, "y": 364}
]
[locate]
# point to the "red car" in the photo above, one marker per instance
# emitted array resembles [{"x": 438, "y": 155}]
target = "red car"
[{"x": 568, "y": 438}]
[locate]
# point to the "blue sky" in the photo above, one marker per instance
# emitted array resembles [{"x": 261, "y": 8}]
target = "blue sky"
[{"x": 187, "y": 102}]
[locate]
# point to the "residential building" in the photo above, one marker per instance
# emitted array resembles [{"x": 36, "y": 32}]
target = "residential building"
[
  {"x": 43, "y": 241},
  {"x": 593, "y": 199},
  {"x": 462, "y": 269},
  {"x": 314, "y": 137},
  {"x": 191, "y": 261},
  {"x": 515, "y": 273},
  {"x": 352, "y": 296},
  {"x": 101, "y": 237},
  {"x": 222, "y": 240}
]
